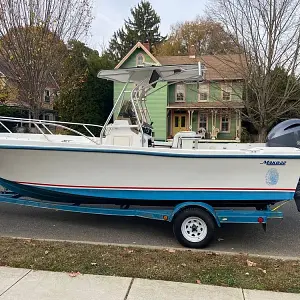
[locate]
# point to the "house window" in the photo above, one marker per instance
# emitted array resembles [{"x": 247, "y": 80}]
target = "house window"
[
  {"x": 203, "y": 92},
  {"x": 226, "y": 92},
  {"x": 140, "y": 59},
  {"x": 225, "y": 123},
  {"x": 202, "y": 121},
  {"x": 47, "y": 96},
  {"x": 180, "y": 93}
]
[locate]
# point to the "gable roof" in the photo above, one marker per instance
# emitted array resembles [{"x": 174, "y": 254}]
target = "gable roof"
[
  {"x": 138, "y": 45},
  {"x": 218, "y": 67}
]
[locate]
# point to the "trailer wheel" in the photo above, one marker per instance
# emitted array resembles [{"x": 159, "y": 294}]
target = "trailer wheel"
[{"x": 194, "y": 227}]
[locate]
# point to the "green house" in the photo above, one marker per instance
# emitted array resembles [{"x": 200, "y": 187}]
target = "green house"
[{"x": 211, "y": 107}]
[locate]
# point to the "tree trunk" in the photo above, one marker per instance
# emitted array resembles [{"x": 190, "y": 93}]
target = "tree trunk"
[
  {"x": 262, "y": 135},
  {"x": 35, "y": 112}
]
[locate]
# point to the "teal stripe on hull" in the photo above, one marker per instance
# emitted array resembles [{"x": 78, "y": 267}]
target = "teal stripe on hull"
[
  {"x": 153, "y": 195},
  {"x": 185, "y": 195}
]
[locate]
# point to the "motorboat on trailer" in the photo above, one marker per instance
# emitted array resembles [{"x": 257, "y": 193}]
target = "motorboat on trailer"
[{"x": 123, "y": 166}]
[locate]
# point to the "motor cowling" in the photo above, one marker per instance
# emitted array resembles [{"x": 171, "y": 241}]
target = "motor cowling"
[{"x": 285, "y": 134}]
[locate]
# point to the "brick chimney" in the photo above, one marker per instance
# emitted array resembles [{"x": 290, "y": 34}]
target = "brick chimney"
[
  {"x": 146, "y": 44},
  {"x": 192, "y": 51}
]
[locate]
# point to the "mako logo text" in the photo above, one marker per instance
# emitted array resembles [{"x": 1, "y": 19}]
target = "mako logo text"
[{"x": 274, "y": 163}]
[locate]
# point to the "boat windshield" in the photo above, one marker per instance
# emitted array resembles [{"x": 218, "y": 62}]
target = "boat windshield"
[{"x": 127, "y": 113}]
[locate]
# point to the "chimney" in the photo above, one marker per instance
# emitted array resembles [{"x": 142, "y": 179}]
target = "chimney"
[
  {"x": 192, "y": 51},
  {"x": 146, "y": 44}
]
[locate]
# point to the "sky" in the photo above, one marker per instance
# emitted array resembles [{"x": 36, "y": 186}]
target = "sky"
[{"x": 109, "y": 16}]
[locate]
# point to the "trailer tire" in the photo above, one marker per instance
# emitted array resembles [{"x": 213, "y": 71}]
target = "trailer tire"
[{"x": 194, "y": 227}]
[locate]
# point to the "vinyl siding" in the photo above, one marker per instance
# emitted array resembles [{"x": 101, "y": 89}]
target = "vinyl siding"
[
  {"x": 157, "y": 106},
  {"x": 131, "y": 61}
]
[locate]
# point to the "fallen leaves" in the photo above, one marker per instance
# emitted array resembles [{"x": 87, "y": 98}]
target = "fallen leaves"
[
  {"x": 264, "y": 271},
  {"x": 251, "y": 263},
  {"x": 74, "y": 274},
  {"x": 212, "y": 253},
  {"x": 171, "y": 250}
]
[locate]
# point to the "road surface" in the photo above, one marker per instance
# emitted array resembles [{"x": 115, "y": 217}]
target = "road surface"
[{"x": 281, "y": 239}]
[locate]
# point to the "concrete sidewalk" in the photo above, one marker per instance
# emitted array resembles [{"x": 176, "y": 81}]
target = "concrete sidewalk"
[{"x": 24, "y": 284}]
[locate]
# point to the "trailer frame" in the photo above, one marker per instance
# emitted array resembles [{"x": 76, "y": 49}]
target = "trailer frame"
[{"x": 200, "y": 210}]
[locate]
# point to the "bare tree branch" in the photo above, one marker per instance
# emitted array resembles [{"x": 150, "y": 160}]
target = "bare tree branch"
[
  {"x": 268, "y": 35},
  {"x": 33, "y": 34}
]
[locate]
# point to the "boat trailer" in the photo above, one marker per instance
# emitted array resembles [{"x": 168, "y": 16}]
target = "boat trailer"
[{"x": 194, "y": 223}]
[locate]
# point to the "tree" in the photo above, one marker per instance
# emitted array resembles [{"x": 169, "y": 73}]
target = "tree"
[
  {"x": 144, "y": 26},
  {"x": 205, "y": 35},
  {"x": 268, "y": 36},
  {"x": 32, "y": 46},
  {"x": 83, "y": 96}
]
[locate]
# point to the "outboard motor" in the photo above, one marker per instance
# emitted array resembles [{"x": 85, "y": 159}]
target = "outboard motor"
[{"x": 287, "y": 134}]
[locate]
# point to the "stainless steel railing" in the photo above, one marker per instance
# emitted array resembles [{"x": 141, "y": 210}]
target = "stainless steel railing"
[{"x": 45, "y": 127}]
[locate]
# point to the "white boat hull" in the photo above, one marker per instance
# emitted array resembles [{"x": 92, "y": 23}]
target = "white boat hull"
[{"x": 155, "y": 176}]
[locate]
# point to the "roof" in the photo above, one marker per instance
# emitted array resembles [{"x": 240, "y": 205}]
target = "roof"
[
  {"x": 219, "y": 67},
  {"x": 138, "y": 45},
  {"x": 208, "y": 104}
]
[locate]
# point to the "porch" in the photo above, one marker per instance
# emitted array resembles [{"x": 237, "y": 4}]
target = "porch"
[{"x": 216, "y": 123}]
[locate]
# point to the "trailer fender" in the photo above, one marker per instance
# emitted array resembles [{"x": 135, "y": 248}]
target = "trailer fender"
[{"x": 203, "y": 205}]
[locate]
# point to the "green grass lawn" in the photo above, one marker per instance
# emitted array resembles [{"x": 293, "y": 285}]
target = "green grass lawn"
[{"x": 180, "y": 265}]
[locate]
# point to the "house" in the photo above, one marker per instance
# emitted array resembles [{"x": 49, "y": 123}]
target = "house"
[
  {"x": 212, "y": 107},
  {"x": 10, "y": 96}
]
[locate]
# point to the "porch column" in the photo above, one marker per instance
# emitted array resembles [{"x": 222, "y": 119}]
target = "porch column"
[
  {"x": 191, "y": 112},
  {"x": 171, "y": 123}
]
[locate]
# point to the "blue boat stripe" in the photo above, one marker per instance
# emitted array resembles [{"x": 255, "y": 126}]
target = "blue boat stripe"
[
  {"x": 143, "y": 152},
  {"x": 156, "y": 195},
  {"x": 176, "y": 195}
]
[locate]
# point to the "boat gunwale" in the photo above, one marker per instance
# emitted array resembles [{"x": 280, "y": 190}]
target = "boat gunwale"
[{"x": 242, "y": 155}]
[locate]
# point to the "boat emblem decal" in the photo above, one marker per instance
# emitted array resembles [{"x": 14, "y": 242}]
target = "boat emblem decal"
[
  {"x": 272, "y": 177},
  {"x": 273, "y": 163}
]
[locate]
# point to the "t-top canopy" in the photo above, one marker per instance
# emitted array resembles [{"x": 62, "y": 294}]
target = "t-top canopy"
[{"x": 153, "y": 73}]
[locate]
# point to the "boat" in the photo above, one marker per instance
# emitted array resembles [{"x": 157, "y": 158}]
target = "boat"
[{"x": 123, "y": 165}]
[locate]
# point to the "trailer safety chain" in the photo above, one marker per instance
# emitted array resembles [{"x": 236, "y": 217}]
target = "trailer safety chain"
[{"x": 284, "y": 202}]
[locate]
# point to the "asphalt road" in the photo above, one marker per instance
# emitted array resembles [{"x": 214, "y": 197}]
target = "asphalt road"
[{"x": 281, "y": 239}]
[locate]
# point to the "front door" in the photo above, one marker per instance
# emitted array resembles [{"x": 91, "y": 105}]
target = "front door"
[{"x": 179, "y": 123}]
